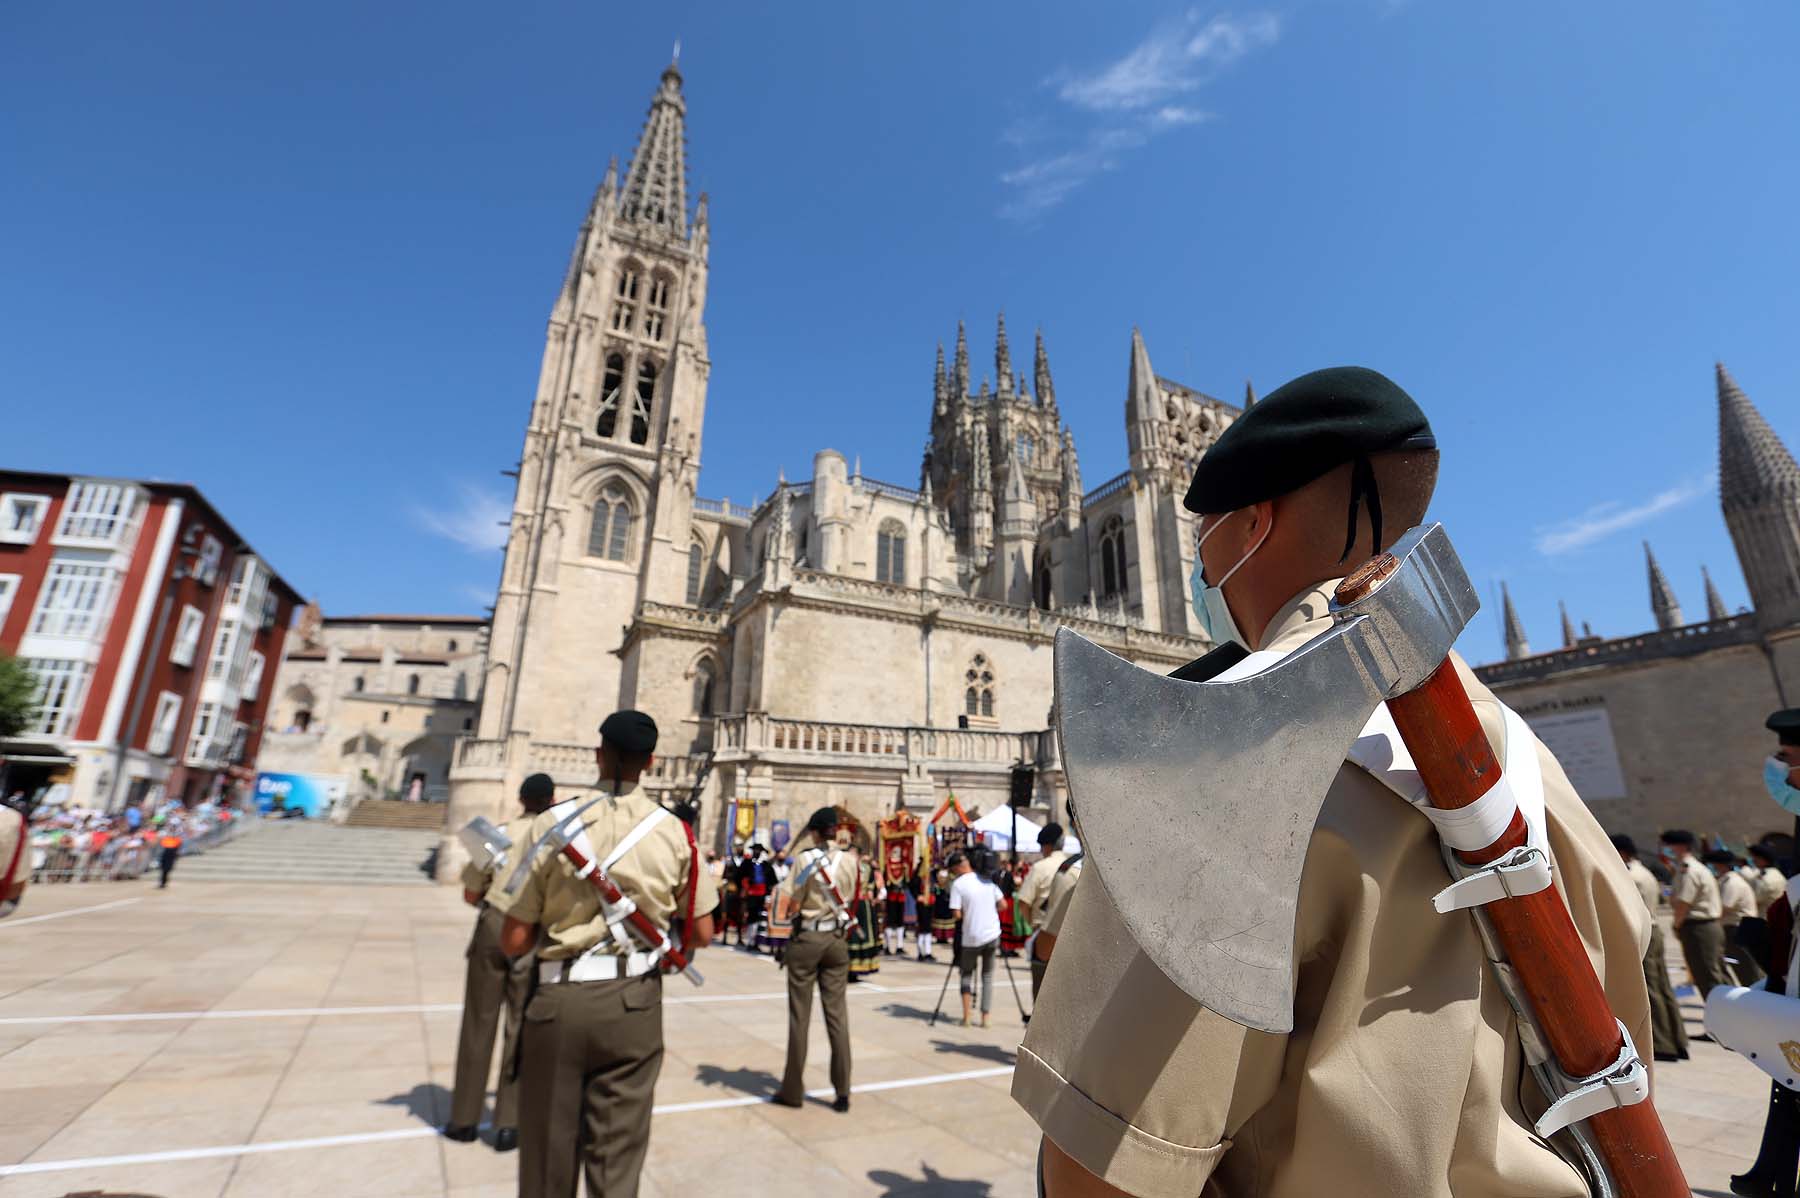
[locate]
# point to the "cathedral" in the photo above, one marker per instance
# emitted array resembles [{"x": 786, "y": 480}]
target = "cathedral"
[{"x": 845, "y": 640}]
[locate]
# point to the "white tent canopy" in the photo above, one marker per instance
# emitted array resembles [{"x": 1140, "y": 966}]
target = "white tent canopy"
[{"x": 996, "y": 830}]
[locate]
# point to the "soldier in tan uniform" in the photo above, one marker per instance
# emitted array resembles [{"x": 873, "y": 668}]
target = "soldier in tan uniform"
[
  {"x": 1737, "y": 902},
  {"x": 1770, "y": 883},
  {"x": 1665, "y": 1012},
  {"x": 591, "y": 1044},
  {"x": 1695, "y": 901},
  {"x": 819, "y": 952},
  {"x": 495, "y": 983},
  {"x": 1403, "y": 1073},
  {"x": 1034, "y": 895},
  {"x": 15, "y": 859}
]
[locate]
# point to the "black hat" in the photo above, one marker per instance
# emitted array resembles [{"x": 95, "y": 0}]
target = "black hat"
[
  {"x": 1624, "y": 844},
  {"x": 1052, "y": 834},
  {"x": 629, "y": 732},
  {"x": 1307, "y": 428},
  {"x": 1785, "y": 725},
  {"x": 1765, "y": 850},
  {"x": 538, "y": 786},
  {"x": 822, "y": 819},
  {"x": 1720, "y": 857},
  {"x": 1678, "y": 836}
]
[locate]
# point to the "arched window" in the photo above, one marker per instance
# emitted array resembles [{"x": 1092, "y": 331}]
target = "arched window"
[
  {"x": 412, "y": 684},
  {"x": 656, "y": 307},
  {"x": 696, "y": 564},
  {"x": 611, "y": 385},
  {"x": 625, "y": 301},
  {"x": 890, "y": 553},
  {"x": 452, "y": 648},
  {"x": 1041, "y": 581},
  {"x": 1112, "y": 558},
  {"x": 609, "y": 535},
  {"x": 703, "y": 689},
  {"x": 978, "y": 682},
  {"x": 640, "y": 407},
  {"x": 800, "y": 558},
  {"x": 1023, "y": 445}
]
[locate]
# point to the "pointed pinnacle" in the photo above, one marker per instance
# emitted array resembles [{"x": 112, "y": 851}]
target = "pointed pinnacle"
[
  {"x": 1754, "y": 465},
  {"x": 1568, "y": 628},
  {"x": 1715, "y": 602},
  {"x": 1249, "y": 395}
]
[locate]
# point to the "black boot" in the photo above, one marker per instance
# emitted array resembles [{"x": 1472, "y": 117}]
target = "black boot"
[{"x": 1778, "y": 1160}]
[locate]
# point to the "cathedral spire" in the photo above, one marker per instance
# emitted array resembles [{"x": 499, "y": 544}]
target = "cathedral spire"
[
  {"x": 656, "y": 185},
  {"x": 1249, "y": 395},
  {"x": 1759, "y": 491},
  {"x": 1041, "y": 382},
  {"x": 1516, "y": 644},
  {"x": 962, "y": 361},
  {"x": 940, "y": 384},
  {"x": 1142, "y": 381},
  {"x": 1003, "y": 358},
  {"x": 1754, "y": 465},
  {"x": 1715, "y": 602},
  {"x": 1662, "y": 595},
  {"x": 1568, "y": 627}
]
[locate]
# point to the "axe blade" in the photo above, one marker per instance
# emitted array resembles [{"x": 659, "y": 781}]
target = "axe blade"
[{"x": 1196, "y": 800}]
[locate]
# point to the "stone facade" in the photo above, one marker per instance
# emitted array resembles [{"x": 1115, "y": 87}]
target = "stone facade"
[
  {"x": 378, "y": 701},
  {"x": 1665, "y": 729},
  {"x": 844, "y": 640}
]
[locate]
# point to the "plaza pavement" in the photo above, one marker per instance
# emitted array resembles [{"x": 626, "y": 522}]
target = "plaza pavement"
[{"x": 265, "y": 1041}]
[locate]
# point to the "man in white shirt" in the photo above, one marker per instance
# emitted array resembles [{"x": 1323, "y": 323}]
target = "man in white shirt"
[{"x": 976, "y": 902}]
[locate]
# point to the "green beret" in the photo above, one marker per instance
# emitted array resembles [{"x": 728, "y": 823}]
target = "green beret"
[
  {"x": 1785, "y": 725},
  {"x": 629, "y": 732},
  {"x": 1302, "y": 430}
]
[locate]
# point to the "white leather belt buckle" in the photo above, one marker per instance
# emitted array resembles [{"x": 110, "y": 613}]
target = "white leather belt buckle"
[{"x": 597, "y": 967}]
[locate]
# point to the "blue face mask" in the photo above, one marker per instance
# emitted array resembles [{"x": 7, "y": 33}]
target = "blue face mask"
[
  {"x": 1775, "y": 777},
  {"x": 1210, "y": 608}
]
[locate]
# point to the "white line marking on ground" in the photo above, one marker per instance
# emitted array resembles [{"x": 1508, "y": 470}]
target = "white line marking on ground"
[
  {"x": 413, "y": 1133},
  {"x": 17, "y": 923},
  {"x": 401, "y": 1009}
]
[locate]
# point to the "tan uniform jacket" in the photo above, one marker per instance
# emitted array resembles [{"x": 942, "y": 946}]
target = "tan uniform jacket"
[
  {"x": 1649, "y": 889},
  {"x": 1403, "y": 1074},
  {"x": 1034, "y": 892},
  {"x": 1737, "y": 902},
  {"x": 813, "y": 899},
  {"x": 1770, "y": 885},
  {"x": 14, "y": 839},
  {"x": 654, "y": 874},
  {"x": 1062, "y": 889},
  {"x": 1696, "y": 886},
  {"x": 486, "y": 881}
]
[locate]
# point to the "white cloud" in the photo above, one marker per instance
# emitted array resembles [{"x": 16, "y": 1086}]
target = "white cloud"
[
  {"x": 1602, "y": 520},
  {"x": 481, "y": 597},
  {"x": 1119, "y": 108},
  {"x": 475, "y": 519},
  {"x": 1175, "y": 59}
]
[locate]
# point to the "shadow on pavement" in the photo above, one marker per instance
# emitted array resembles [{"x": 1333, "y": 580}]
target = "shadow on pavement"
[
  {"x": 759, "y": 1082},
  {"x": 903, "y": 1011},
  {"x": 985, "y": 1052},
  {"x": 429, "y": 1103},
  {"x": 932, "y": 1185}
]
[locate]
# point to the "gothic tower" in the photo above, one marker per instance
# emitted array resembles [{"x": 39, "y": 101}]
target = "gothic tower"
[
  {"x": 1516, "y": 644},
  {"x": 603, "y": 506},
  {"x": 1663, "y": 604},
  {"x": 1759, "y": 489}
]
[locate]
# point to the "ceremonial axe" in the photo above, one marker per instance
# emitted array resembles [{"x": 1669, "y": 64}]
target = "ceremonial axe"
[{"x": 1197, "y": 801}]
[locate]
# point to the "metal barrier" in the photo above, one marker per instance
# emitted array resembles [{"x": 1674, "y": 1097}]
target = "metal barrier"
[{"x": 66, "y": 855}]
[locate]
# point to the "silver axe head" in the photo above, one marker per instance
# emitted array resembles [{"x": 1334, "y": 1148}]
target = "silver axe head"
[
  {"x": 1197, "y": 799},
  {"x": 485, "y": 843}
]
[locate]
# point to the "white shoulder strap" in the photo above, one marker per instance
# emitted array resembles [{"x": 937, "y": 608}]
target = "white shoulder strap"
[{"x": 632, "y": 837}]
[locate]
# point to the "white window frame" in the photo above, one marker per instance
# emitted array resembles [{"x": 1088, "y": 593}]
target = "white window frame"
[
  {"x": 60, "y": 693},
  {"x": 253, "y": 675},
  {"x": 17, "y": 528},
  {"x": 187, "y": 635},
  {"x": 164, "y": 723},
  {"x": 224, "y": 647},
  {"x": 76, "y": 600},
  {"x": 206, "y": 569},
  {"x": 99, "y": 514},
  {"x": 9, "y": 589}
]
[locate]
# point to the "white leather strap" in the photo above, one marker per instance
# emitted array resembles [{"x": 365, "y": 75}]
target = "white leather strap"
[
  {"x": 632, "y": 837},
  {"x": 598, "y": 967},
  {"x": 1623, "y": 1083},
  {"x": 1523, "y": 871}
]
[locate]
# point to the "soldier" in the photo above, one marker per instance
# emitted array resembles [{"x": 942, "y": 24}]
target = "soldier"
[
  {"x": 1695, "y": 901},
  {"x": 1034, "y": 895},
  {"x": 1769, "y": 883},
  {"x": 1737, "y": 902},
  {"x": 1403, "y": 1072},
  {"x": 494, "y": 982},
  {"x": 824, "y": 876},
  {"x": 1665, "y": 1013},
  {"x": 15, "y": 858},
  {"x": 591, "y": 1045}
]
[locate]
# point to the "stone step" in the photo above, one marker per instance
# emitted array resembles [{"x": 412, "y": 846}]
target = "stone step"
[
  {"x": 397, "y": 813},
  {"x": 289, "y": 851}
]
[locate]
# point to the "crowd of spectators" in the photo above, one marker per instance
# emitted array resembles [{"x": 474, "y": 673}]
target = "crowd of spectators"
[{"x": 79, "y": 844}]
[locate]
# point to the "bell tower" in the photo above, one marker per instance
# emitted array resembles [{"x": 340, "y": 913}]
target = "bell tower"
[{"x": 611, "y": 457}]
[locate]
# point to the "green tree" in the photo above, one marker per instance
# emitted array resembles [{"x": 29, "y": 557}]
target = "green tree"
[{"x": 18, "y": 696}]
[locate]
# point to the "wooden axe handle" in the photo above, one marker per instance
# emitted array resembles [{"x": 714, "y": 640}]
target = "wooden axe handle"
[{"x": 1439, "y": 727}]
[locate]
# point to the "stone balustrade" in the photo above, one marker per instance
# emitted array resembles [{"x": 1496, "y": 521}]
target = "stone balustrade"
[
  {"x": 480, "y": 754},
  {"x": 705, "y": 619},
  {"x": 1111, "y": 486},
  {"x": 723, "y": 507},
  {"x": 759, "y": 735},
  {"x": 1674, "y": 642}
]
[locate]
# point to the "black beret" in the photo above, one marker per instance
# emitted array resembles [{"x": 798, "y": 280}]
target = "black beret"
[
  {"x": 1678, "y": 836},
  {"x": 1624, "y": 844},
  {"x": 1052, "y": 834},
  {"x": 538, "y": 786},
  {"x": 1786, "y": 725},
  {"x": 823, "y": 818},
  {"x": 1304, "y": 429},
  {"x": 629, "y": 732}
]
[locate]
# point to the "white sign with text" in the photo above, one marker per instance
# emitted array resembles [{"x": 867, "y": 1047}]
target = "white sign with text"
[{"x": 1583, "y": 742}]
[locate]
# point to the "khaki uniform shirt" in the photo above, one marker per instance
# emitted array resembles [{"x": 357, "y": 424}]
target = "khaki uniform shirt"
[
  {"x": 1649, "y": 889},
  {"x": 1770, "y": 885},
  {"x": 1062, "y": 889},
  {"x": 486, "y": 881},
  {"x": 1403, "y": 1074},
  {"x": 14, "y": 839},
  {"x": 814, "y": 899},
  {"x": 1696, "y": 886},
  {"x": 654, "y": 874},
  {"x": 1736, "y": 900},
  {"x": 1034, "y": 892}
]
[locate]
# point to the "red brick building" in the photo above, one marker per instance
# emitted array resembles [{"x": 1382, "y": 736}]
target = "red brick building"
[{"x": 153, "y": 630}]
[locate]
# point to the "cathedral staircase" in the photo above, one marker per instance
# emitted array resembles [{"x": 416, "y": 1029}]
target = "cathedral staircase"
[
  {"x": 398, "y": 813},
  {"x": 314, "y": 851}
]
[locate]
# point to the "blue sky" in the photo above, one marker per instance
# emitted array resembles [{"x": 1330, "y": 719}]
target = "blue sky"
[{"x": 303, "y": 257}]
